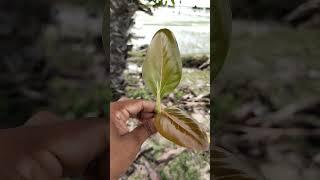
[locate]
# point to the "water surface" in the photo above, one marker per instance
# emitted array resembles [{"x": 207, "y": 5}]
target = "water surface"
[{"x": 190, "y": 26}]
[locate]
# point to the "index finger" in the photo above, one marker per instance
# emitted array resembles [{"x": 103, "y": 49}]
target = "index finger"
[{"x": 134, "y": 107}]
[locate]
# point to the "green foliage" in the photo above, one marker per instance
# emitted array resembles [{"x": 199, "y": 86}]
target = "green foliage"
[
  {"x": 183, "y": 168},
  {"x": 158, "y": 3},
  {"x": 138, "y": 93},
  {"x": 163, "y": 175}
]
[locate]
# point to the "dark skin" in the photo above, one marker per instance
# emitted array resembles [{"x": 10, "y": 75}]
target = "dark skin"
[{"x": 47, "y": 147}]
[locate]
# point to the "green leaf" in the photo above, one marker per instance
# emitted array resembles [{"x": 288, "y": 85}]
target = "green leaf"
[
  {"x": 226, "y": 166},
  {"x": 162, "y": 68},
  {"x": 222, "y": 27},
  {"x": 158, "y": 4},
  {"x": 178, "y": 127},
  {"x": 161, "y": 71}
]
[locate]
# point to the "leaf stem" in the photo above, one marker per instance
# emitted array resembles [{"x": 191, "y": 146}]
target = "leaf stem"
[{"x": 158, "y": 102}]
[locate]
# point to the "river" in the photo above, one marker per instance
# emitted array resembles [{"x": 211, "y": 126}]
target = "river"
[{"x": 190, "y": 26}]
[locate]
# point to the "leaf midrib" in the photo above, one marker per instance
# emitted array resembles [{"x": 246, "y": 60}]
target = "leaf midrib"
[
  {"x": 161, "y": 67},
  {"x": 184, "y": 130}
]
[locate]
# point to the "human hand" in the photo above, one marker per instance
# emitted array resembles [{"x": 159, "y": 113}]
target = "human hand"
[
  {"x": 47, "y": 147},
  {"x": 125, "y": 145}
]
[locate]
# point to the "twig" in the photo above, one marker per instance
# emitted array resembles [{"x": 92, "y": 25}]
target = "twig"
[
  {"x": 144, "y": 8},
  {"x": 143, "y": 152},
  {"x": 169, "y": 155},
  {"x": 153, "y": 174},
  {"x": 285, "y": 113}
]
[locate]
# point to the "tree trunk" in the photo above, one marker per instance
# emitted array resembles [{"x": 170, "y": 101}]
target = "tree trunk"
[
  {"x": 121, "y": 13},
  {"x": 121, "y": 20},
  {"x": 20, "y": 87}
]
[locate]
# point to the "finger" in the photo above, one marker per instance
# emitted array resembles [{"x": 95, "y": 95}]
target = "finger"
[
  {"x": 134, "y": 107},
  {"x": 70, "y": 145},
  {"x": 144, "y": 116},
  {"x": 28, "y": 168},
  {"x": 122, "y": 110},
  {"x": 121, "y": 127},
  {"x": 43, "y": 118},
  {"x": 76, "y": 143},
  {"x": 119, "y": 120}
]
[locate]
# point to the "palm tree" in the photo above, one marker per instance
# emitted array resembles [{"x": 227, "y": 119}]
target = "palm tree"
[
  {"x": 121, "y": 19},
  {"x": 22, "y": 64}
]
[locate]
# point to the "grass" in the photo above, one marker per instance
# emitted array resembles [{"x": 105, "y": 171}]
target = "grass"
[
  {"x": 186, "y": 166},
  {"x": 196, "y": 80}
]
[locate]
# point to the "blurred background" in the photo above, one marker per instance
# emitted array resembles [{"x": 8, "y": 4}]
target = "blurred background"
[
  {"x": 51, "y": 58},
  {"x": 132, "y": 25},
  {"x": 267, "y": 97}
]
